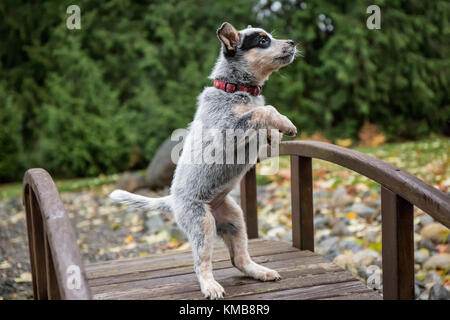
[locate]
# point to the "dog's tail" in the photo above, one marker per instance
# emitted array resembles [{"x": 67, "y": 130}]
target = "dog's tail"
[{"x": 152, "y": 204}]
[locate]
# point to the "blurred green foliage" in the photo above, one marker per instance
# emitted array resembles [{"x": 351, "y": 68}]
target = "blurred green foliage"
[{"x": 101, "y": 99}]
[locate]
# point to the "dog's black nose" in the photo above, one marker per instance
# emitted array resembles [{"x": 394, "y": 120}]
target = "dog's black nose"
[{"x": 292, "y": 43}]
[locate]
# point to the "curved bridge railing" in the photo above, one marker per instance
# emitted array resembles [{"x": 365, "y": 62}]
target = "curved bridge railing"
[
  {"x": 60, "y": 275},
  {"x": 400, "y": 191}
]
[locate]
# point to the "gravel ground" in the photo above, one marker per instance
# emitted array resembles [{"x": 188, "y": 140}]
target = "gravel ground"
[{"x": 347, "y": 231}]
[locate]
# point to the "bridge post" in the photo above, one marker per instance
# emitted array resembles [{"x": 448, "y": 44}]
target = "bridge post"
[
  {"x": 302, "y": 203},
  {"x": 249, "y": 203},
  {"x": 397, "y": 246},
  {"x": 36, "y": 243}
]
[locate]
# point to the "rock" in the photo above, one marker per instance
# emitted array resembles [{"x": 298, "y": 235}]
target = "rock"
[
  {"x": 362, "y": 273},
  {"x": 439, "y": 292},
  {"x": 436, "y": 232},
  {"x": 365, "y": 257},
  {"x": 14, "y": 202},
  {"x": 6, "y": 286},
  {"x": 424, "y": 295},
  {"x": 263, "y": 225},
  {"x": 420, "y": 283},
  {"x": 328, "y": 242},
  {"x": 340, "y": 229},
  {"x": 331, "y": 253},
  {"x": 379, "y": 261},
  {"x": 426, "y": 244},
  {"x": 421, "y": 256},
  {"x": 276, "y": 233},
  {"x": 432, "y": 278},
  {"x": 343, "y": 261},
  {"x": 130, "y": 181},
  {"x": 366, "y": 193},
  {"x": 350, "y": 245},
  {"x": 177, "y": 234},
  {"x": 438, "y": 261},
  {"x": 340, "y": 198},
  {"x": 160, "y": 171},
  {"x": 277, "y": 206},
  {"x": 372, "y": 235},
  {"x": 154, "y": 223},
  {"x": 287, "y": 237},
  {"x": 320, "y": 221},
  {"x": 426, "y": 220},
  {"x": 416, "y": 290},
  {"x": 361, "y": 209},
  {"x": 321, "y": 194}
]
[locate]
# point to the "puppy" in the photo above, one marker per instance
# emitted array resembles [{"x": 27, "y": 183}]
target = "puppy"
[{"x": 199, "y": 193}]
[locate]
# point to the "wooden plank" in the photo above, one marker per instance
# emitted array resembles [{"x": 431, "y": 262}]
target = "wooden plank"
[
  {"x": 249, "y": 202},
  {"x": 302, "y": 203},
  {"x": 238, "y": 285},
  {"x": 220, "y": 274},
  {"x": 183, "y": 273},
  {"x": 312, "y": 292},
  {"x": 38, "y": 249},
  {"x": 150, "y": 271},
  {"x": 431, "y": 200},
  {"x": 253, "y": 243},
  {"x": 166, "y": 255},
  {"x": 28, "y": 212},
  {"x": 183, "y": 259},
  {"x": 229, "y": 278},
  {"x": 356, "y": 296},
  {"x": 300, "y": 281},
  {"x": 169, "y": 272},
  {"x": 52, "y": 282},
  {"x": 234, "y": 279},
  {"x": 397, "y": 246}
]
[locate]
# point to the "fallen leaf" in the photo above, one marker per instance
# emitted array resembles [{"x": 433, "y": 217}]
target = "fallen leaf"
[
  {"x": 344, "y": 142},
  {"x": 317, "y": 136},
  {"x": 370, "y": 135},
  {"x": 352, "y": 215},
  {"x": 128, "y": 239},
  {"x": 114, "y": 226},
  {"x": 443, "y": 248},
  {"x": 24, "y": 277},
  {"x": 172, "y": 245}
]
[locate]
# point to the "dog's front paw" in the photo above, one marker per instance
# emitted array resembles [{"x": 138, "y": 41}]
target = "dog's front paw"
[
  {"x": 212, "y": 290},
  {"x": 287, "y": 127}
]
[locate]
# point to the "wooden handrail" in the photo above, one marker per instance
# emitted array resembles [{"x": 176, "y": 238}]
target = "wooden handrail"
[
  {"x": 56, "y": 265},
  {"x": 431, "y": 200},
  {"x": 399, "y": 192}
]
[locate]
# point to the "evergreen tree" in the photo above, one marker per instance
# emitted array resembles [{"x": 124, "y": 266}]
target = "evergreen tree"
[{"x": 101, "y": 99}]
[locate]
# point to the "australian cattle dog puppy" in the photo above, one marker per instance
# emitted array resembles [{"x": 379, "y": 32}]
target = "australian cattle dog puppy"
[{"x": 199, "y": 196}]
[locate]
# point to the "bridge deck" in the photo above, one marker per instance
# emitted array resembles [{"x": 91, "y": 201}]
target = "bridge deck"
[{"x": 305, "y": 275}]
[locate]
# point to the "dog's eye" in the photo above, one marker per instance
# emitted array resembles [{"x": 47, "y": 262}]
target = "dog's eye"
[{"x": 263, "y": 41}]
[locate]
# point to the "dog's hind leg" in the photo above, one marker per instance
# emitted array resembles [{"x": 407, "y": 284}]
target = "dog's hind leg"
[
  {"x": 231, "y": 227},
  {"x": 196, "y": 220}
]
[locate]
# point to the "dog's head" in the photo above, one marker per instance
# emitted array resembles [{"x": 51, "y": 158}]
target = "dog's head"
[{"x": 257, "y": 49}]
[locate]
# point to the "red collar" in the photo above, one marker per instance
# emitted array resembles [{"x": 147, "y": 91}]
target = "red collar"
[{"x": 231, "y": 87}]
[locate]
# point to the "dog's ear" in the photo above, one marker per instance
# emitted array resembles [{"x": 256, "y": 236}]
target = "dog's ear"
[{"x": 229, "y": 36}]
